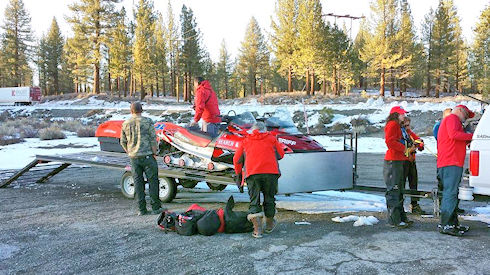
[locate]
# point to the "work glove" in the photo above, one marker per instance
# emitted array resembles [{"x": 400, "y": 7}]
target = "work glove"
[{"x": 238, "y": 182}]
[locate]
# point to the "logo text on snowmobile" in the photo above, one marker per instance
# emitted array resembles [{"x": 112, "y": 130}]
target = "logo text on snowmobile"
[
  {"x": 225, "y": 142},
  {"x": 286, "y": 141}
]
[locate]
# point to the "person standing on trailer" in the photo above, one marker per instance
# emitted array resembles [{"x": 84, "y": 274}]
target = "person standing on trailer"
[
  {"x": 411, "y": 174},
  {"x": 258, "y": 154},
  {"x": 394, "y": 168},
  {"x": 206, "y": 107},
  {"x": 451, "y": 153},
  {"x": 138, "y": 139}
]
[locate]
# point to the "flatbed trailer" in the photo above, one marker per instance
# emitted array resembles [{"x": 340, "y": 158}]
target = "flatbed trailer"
[{"x": 170, "y": 177}]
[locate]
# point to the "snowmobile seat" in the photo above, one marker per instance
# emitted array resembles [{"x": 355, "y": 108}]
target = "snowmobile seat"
[{"x": 200, "y": 138}]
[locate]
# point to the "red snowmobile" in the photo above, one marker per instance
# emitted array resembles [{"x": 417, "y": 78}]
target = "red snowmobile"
[{"x": 187, "y": 147}]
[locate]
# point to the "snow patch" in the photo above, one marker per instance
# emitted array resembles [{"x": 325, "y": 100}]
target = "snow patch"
[
  {"x": 482, "y": 214},
  {"x": 358, "y": 220}
]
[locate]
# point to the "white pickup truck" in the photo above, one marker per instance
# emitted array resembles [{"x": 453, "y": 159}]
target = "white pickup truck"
[{"x": 480, "y": 156}]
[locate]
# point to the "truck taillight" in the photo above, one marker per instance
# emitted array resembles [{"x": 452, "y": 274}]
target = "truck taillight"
[{"x": 474, "y": 163}]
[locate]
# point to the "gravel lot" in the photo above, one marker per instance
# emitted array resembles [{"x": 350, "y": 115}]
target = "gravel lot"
[{"x": 79, "y": 222}]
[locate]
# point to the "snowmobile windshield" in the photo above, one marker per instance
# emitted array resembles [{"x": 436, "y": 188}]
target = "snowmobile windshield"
[
  {"x": 282, "y": 119},
  {"x": 245, "y": 120}
]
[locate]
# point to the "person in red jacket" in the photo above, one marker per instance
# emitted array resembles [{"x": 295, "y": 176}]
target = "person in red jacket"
[
  {"x": 206, "y": 107},
  {"x": 394, "y": 168},
  {"x": 451, "y": 153},
  {"x": 258, "y": 155},
  {"x": 411, "y": 174}
]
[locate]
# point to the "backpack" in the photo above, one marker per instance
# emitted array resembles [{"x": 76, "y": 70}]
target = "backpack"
[
  {"x": 186, "y": 223},
  {"x": 166, "y": 221},
  {"x": 209, "y": 223},
  {"x": 236, "y": 221}
]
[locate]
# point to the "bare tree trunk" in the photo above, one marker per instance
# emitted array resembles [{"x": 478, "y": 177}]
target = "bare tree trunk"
[
  {"x": 156, "y": 82},
  {"x": 392, "y": 84},
  {"x": 324, "y": 85},
  {"x": 118, "y": 86},
  {"x": 382, "y": 83},
  {"x": 438, "y": 86},
  {"x": 312, "y": 85},
  {"x": 290, "y": 79},
  {"x": 307, "y": 83},
  {"x": 142, "y": 87}
]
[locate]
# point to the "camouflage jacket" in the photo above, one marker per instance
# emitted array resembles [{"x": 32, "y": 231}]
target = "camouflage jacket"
[{"x": 138, "y": 136}]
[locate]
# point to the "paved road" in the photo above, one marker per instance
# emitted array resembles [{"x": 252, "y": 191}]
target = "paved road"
[{"x": 78, "y": 222}]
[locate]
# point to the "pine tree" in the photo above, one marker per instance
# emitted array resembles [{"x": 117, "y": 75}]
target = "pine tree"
[
  {"x": 42, "y": 65},
  {"x": 54, "y": 51},
  {"x": 309, "y": 43},
  {"x": 378, "y": 51},
  {"x": 78, "y": 61},
  {"x": 359, "y": 66},
  {"x": 17, "y": 44},
  {"x": 224, "y": 70},
  {"x": 173, "y": 42},
  {"x": 120, "y": 52},
  {"x": 480, "y": 53},
  {"x": 160, "y": 55},
  {"x": 191, "y": 52},
  {"x": 428, "y": 42},
  {"x": 94, "y": 19},
  {"x": 405, "y": 45},
  {"x": 443, "y": 44},
  {"x": 284, "y": 34},
  {"x": 458, "y": 61},
  {"x": 254, "y": 56},
  {"x": 142, "y": 44}
]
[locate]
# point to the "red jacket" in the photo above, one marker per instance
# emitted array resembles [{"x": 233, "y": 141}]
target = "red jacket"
[
  {"x": 393, "y": 137},
  {"x": 206, "y": 104},
  {"x": 260, "y": 152},
  {"x": 451, "y": 142}
]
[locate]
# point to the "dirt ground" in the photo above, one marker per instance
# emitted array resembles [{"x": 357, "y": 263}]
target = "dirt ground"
[{"x": 79, "y": 222}]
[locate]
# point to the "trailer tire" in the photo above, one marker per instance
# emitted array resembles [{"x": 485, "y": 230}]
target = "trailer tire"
[
  {"x": 167, "y": 189},
  {"x": 166, "y": 192},
  {"x": 188, "y": 183},
  {"x": 127, "y": 185},
  {"x": 216, "y": 186}
]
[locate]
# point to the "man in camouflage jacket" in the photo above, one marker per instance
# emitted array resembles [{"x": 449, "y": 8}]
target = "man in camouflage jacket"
[{"x": 138, "y": 139}]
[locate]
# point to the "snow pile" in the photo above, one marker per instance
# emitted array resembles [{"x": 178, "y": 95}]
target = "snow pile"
[
  {"x": 482, "y": 214},
  {"x": 358, "y": 220}
]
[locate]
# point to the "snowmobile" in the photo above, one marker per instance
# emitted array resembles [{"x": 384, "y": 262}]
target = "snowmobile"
[{"x": 192, "y": 148}]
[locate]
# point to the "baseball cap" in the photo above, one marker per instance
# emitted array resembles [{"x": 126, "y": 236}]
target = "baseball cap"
[
  {"x": 398, "y": 109},
  {"x": 470, "y": 113}
]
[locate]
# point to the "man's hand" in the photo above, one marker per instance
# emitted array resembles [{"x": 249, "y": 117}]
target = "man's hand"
[
  {"x": 409, "y": 151},
  {"x": 192, "y": 124}
]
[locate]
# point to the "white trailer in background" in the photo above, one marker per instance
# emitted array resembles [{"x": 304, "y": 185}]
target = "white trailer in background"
[{"x": 20, "y": 95}]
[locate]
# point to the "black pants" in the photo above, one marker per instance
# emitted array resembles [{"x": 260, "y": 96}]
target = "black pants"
[
  {"x": 393, "y": 173},
  {"x": 267, "y": 184},
  {"x": 148, "y": 165},
  {"x": 413, "y": 178}
]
